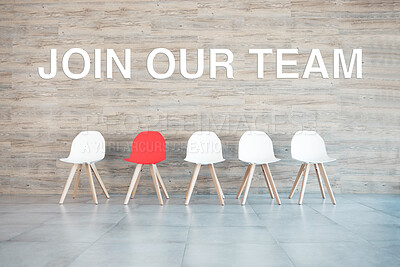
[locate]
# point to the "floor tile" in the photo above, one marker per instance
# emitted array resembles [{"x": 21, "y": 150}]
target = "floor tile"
[
  {"x": 157, "y": 218},
  {"x": 360, "y": 230},
  {"x": 125, "y": 233},
  {"x": 86, "y": 218},
  {"x": 389, "y": 207},
  {"x": 26, "y": 199},
  {"x": 101, "y": 208},
  {"x": 290, "y": 208},
  {"x": 237, "y": 254},
  {"x": 230, "y": 235},
  {"x": 38, "y": 207},
  {"x": 362, "y": 217},
  {"x": 377, "y": 232},
  {"x": 207, "y": 208},
  {"x": 158, "y": 208},
  {"x": 312, "y": 233},
  {"x": 342, "y": 207},
  {"x": 39, "y": 254},
  {"x": 24, "y": 218},
  {"x": 9, "y": 231},
  {"x": 225, "y": 219},
  {"x": 338, "y": 254},
  {"x": 65, "y": 233},
  {"x": 128, "y": 254},
  {"x": 392, "y": 247},
  {"x": 315, "y": 198},
  {"x": 294, "y": 218},
  {"x": 152, "y": 199},
  {"x": 212, "y": 200}
]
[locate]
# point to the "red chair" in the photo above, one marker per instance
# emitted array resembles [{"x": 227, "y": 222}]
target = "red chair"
[{"x": 147, "y": 148}]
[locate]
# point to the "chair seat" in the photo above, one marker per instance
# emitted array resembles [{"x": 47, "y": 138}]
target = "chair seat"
[
  {"x": 260, "y": 162},
  {"x": 148, "y": 148},
  {"x": 316, "y": 159},
  {"x": 79, "y": 160},
  {"x": 143, "y": 161},
  {"x": 206, "y": 161},
  {"x": 203, "y": 148}
]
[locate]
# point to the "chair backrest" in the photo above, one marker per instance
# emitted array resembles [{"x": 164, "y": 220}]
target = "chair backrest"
[
  {"x": 88, "y": 146},
  {"x": 308, "y": 146},
  {"x": 204, "y": 148},
  {"x": 148, "y": 148},
  {"x": 256, "y": 147}
]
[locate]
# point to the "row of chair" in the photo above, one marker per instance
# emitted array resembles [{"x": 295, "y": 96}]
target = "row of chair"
[{"x": 204, "y": 148}]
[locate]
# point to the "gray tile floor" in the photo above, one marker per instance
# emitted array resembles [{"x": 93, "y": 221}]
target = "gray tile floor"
[{"x": 361, "y": 230}]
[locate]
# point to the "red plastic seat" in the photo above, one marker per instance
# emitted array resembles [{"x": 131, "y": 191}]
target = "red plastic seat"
[{"x": 148, "y": 148}]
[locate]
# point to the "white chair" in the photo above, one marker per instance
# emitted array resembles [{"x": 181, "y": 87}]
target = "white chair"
[
  {"x": 255, "y": 148},
  {"x": 309, "y": 147},
  {"x": 204, "y": 148},
  {"x": 87, "y": 148}
]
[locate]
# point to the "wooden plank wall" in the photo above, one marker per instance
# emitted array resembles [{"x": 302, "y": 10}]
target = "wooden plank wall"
[{"x": 358, "y": 118}]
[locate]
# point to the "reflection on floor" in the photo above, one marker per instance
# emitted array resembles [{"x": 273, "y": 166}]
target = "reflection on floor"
[{"x": 361, "y": 230}]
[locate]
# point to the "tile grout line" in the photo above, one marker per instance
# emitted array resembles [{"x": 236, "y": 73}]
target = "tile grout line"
[
  {"x": 39, "y": 225},
  {"x": 350, "y": 230},
  {"x": 94, "y": 242},
  {"x": 379, "y": 210},
  {"x": 187, "y": 238},
  {"x": 277, "y": 242}
]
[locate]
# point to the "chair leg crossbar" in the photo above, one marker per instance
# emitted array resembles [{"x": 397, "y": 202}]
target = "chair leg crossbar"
[{"x": 77, "y": 168}]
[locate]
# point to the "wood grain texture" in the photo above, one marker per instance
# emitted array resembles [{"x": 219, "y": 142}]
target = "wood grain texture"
[{"x": 358, "y": 118}]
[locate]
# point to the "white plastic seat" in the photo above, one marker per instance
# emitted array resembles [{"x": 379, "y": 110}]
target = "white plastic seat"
[
  {"x": 204, "y": 148},
  {"x": 87, "y": 148},
  {"x": 309, "y": 147},
  {"x": 255, "y": 148}
]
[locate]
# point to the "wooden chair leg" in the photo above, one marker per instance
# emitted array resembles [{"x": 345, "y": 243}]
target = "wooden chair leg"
[
  {"x": 97, "y": 175},
  {"x": 272, "y": 183},
  {"x": 92, "y": 188},
  {"x": 246, "y": 190},
  {"x": 164, "y": 189},
  {"x": 327, "y": 184},
  {"x": 296, "y": 182},
  {"x": 321, "y": 187},
  {"x": 216, "y": 184},
  {"x": 244, "y": 181},
  {"x": 220, "y": 189},
  {"x": 187, "y": 190},
  {"x": 78, "y": 175},
  {"x": 268, "y": 183},
  {"x": 303, "y": 186},
  {"x": 192, "y": 183},
  {"x": 136, "y": 183},
  {"x": 133, "y": 181},
  {"x": 68, "y": 183},
  {"x": 156, "y": 184}
]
